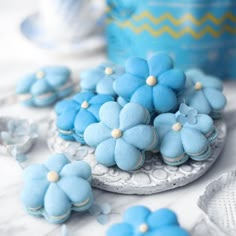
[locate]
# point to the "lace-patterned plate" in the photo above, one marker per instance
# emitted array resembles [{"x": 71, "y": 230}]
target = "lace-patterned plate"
[
  {"x": 219, "y": 204},
  {"x": 153, "y": 177}
]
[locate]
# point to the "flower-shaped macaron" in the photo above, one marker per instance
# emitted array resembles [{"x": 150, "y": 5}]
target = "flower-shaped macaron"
[
  {"x": 204, "y": 93},
  {"x": 185, "y": 135},
  {"x": 101, "y": 78},
  {"x": 140, "y": 221},
  {"x": 45, "y": 86},
  {"x": 122, "y": 136},
  {"x": 74, "y": 115},
  {"x": 57, "y": 187},
  {"x": 153, "y": 83}
]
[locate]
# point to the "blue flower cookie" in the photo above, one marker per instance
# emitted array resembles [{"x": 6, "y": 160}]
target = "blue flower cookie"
[
  {"x": 153, "y": 83},
  {"x": 45, "y": 86},
  {"x": 204, "y": 93},
  {"x": 74, "y": 115},
  {"x": 101, "y": 78},
  {"x": 122, "y": 136},
  {"x": 139, "y": 220},
  {"x": 57, "y": 187},
  {"x": 186, "y": 134}
]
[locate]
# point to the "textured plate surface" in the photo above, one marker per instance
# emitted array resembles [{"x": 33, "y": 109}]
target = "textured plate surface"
[
  {"x": 219, "y": 204},
  {"x": 153, "y": 177}
]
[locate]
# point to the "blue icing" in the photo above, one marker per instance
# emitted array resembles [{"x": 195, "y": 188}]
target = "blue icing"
[
  {"x": 204, "y": 93},
  {"x": 196, "y": 33},
  {"x": 186, "y": 134},
  {"x": 120, "y": 134},
  {"x": 153, "y": 83},
  {"x": 57, "y": 187},
  {"x": 76, "y": 114},
  {"x": 45, "y": 86},
  {"x": 139, "y": 220},
  {"x": 101, "y": 78}
]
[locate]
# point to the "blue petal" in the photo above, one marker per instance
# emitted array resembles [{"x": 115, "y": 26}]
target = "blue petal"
[
  {"x": 110, "y": 114},
  {"x": 56, "y": 203},
  {"x": 83, "y": 96},
  {"x": 95, "y": 210},
  {"x": 41, "y": 87},
  {"x": 78, "y": 168},
  {"x": 209, "y": 82},
  {"x": 105, "y": 86},
  {"x": 127, "y": 156},
  {"x": 204, "y": 124},
  {"x": 215, "y": 98},
  {"x": 83, "y": 119},
  {"x": 96, "y": 133},
  {"x": 135, "y": 136},
  {"x": 127, "y": 118},
  {"x": 66, "y": 120},
  {"x": 194, "y": 142},
  {"x": 34, "y": 172},
  {"x": 33, "y": 193},
  {"x": 127, "y": 84},
  {"x": 25, "y": 84},
  {"x": 137, "y": 215},
  {"x": 171, "y": 231},
  {"x": 56, "y": 162},
  {"x": 121, "y": 229},
  {"x": 90, "y": 78},
  {"x": 100, "y": 99},
  {"x": 105, "y": 152},
  {"x": 164, "y": 99},
  {"x": 159, "y": 63},
  {"x": 94, "y": 109},
  {"x": 174, "y": 79},
  {"x": 57, "y": 76},
  {"x": 77, "y": 190},
  {"x": 171, "y": 145},
  {"x": 144, "y": 97},
  {"x": 199, "y": 101},
  {"x": 137, "y": 66},
  {"x": 66, "y": 104},
  {"x": 161, "y": 218},
  {"x": 64, "y": 230}
]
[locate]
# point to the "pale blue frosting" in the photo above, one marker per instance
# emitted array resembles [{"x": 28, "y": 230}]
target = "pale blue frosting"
[
  {"x": 45, "y": 86},
  {"x": 186, "y": 134},
  {"x": 73, "y": 117},
  {"x": 55, "y": 198},
  {"x": 209, "y": 99},
  {"x": 119, "y": 137},
  {"x": 140, "y": 221},
  {"x": 98, "y": 80},
  {"x": 153, "y": 83}
]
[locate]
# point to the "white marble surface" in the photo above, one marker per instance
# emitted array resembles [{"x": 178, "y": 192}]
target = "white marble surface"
[{"x": 18, "y": 56}]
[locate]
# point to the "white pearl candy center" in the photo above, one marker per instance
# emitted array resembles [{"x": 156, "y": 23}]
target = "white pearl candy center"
[
  {"x": 151, "y": 80},
  {"x": 116, "y": 133},
  {"x": 52, "y": 176},
  {"x": 177, "y": 127},
  {"x": 108, "y": 71},
  {"x": 85, "y": 105},
  {"x": 198, "y": 86},
  {"x": 40, "y": 74},
  {"x": 143, "y": 228}
]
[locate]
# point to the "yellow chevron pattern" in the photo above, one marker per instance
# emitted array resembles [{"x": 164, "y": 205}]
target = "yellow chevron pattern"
[
  {"x": 184, "y": 18},
  {"x": 179, "y": 33}
]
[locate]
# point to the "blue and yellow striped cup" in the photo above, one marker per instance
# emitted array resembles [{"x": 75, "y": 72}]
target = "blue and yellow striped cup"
[{"x": 196, "y": 33}]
